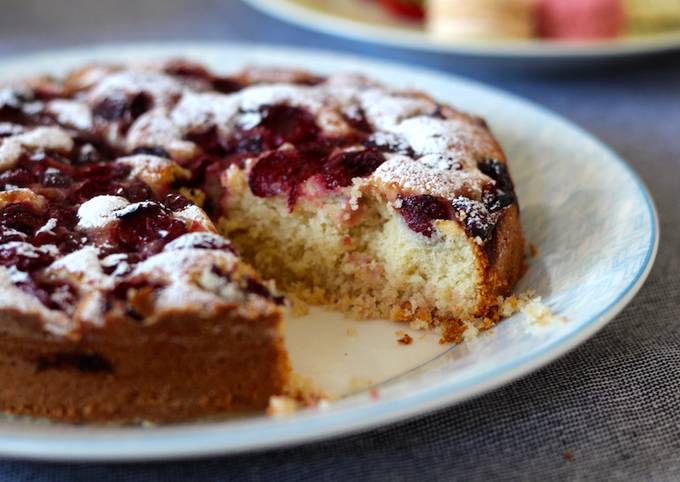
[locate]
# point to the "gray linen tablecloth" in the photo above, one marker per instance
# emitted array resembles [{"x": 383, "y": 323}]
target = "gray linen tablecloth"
[{"x": 608, "y": 411}]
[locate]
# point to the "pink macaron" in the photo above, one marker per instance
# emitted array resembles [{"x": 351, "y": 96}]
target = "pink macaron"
[{"x": 580, "y": 19}]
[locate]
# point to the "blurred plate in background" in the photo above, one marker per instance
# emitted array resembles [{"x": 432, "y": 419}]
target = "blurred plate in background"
[{"x": 366, "y": 21}]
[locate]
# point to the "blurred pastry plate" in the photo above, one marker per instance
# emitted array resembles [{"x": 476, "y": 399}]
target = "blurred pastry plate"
[{"x": 371, "y": 21}]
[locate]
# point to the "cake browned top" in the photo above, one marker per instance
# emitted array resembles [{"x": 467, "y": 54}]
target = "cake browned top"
[{"x": 110, "y": 179}]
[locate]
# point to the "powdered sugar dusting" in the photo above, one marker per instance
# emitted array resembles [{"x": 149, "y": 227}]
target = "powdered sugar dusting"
[
  {"x": 44, "y": 138},
  {"x": 188, "y": 277},
  {"x": 71, "y": 113},
  {"x": 195, "y": 216},
  {"x": 163, "y": 89},
  {"x": 153, "y": 170},
  {"x": 100, "y": 211},
  {"x": 84, "y": 266},
  {"x": 414, "y": 177},
  {"x": 191, "y": 240},
  {"x": 14, "y": 299}
]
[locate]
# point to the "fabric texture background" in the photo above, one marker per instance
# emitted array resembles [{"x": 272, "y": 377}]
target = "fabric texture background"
[{"x": 610, "y": 410}]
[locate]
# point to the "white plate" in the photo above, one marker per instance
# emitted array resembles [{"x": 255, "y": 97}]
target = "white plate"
[
  {"x": 591, "y": 218},
  {"x": 365, "y": 20}
]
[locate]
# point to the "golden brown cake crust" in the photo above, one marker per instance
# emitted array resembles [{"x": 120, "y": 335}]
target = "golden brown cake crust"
[
  {"x": 503, "y": 259},
  {"x": 181, "y": 367}
]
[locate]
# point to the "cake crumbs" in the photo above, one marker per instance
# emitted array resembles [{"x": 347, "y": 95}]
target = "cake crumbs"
[
  {"x": 468, "y": 330},
  {"x": 280, "y": 406},
  {"x": 297, "y": 306},
  {"x": 404, "y": 338},
  {"x": 351, "y": 331},
  {"x": 533, "y": 250},
  {"x": 539, "y": 314},
  {"x": 300, "y": 393},
  {"x": 358, "y": 384},
  {"x": 471, "y": 332},
  {"x": 419, "y": 324}
]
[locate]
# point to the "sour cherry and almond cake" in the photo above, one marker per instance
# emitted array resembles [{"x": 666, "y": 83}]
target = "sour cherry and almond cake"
[{"x": 143, "y": 208}]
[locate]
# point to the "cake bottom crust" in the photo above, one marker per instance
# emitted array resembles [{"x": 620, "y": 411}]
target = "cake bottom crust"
[{"x": 180, "y": 368}]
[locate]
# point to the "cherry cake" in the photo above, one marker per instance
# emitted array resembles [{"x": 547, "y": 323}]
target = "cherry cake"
[{"x": 144, "y": 207}]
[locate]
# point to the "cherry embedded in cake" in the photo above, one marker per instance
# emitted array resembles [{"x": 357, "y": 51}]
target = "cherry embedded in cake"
[{"x": 143, "y": 209}]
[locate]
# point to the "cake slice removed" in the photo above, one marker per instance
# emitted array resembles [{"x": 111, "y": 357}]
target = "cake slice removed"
[{"x": 144, "y": 207}]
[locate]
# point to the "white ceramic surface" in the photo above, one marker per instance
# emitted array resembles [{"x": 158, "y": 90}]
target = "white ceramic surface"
[
  {"x": 364, "y": 20},
  {"x": 591, "y": 218}
]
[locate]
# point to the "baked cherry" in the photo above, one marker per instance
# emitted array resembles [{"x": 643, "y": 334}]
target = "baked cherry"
[
  {"x": 357, "y": 120},
  {"x": 19, "y": 177},
  {"x": 122, "y": 107},
  {"x": 201, "y": 240},
  {"x": 139, "y": 295},
  {"x": 176, "y": 202},
  {"x": 500, "y": 193},
  {"x": 22, "y": 217},
  {"x": 419, "y": 212},
  {"x": 137, "y": 191},
  {"x": 343, "y": 167},
  {"x": 279, "y": 124},
  {"x": 255, "y": 287},
  {"x": 147, "y": 227},
  {"x": 226, "y": 85},
  {"x": 54, "y": 294},
  {"x": 475, "y": 217},
  {"x": 289, "y": 124},
  {"x": 23, "y": 257},
  {"x": 282, "y": 172},
  {"x": 152, "y": 151},
  {"x": 190, "y": 70}
]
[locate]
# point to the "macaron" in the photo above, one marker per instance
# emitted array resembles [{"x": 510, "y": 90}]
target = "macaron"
[
  {"x": 481, "y": 19},
  {"x": 580, "y": 19},
  {"x": 650, "y": 16}
]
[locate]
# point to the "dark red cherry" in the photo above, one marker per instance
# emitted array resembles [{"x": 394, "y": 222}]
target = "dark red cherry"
[
  {"x": 19, "y": 177},
  {"x": 147, "y": 227},
  {"x": 289, "y": 124},
  {"x": 208, "y": 140},
  {"x": 475, "y": 217},
  {"x": 22, "y": 217},
  {"x": 104, "y": 171},
  {"x": 500, "y": 193},
  {"x": 122, "y": 107},
  {"x": 24, "y": 258},
  {"x": 282, "y": 173},
  {"x": 176, "y": 202},
  {"x": 187, "y": 69},
  {"x": 94, "y": 187},
  {"x": 255, "y": 287},
  {"x": 122, "y": 288},
  {"x": 343, "y": 167},
  {"x": 137, "y": 191},
  {"x": 275, "y": 173},
  {"x": 11, "y": 103},
  {"x": 420, "y": 211},
  {"x": 152, "y": 151},
  {"x": 54, "y": 294},
  {"x": 357, "y": 120},
  {"x": 226, "y": 85}
]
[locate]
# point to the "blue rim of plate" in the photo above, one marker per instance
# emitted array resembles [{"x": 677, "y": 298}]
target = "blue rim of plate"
[
  {"x": 90, "y": 443},
  {"x": 393, "y": 36}
]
